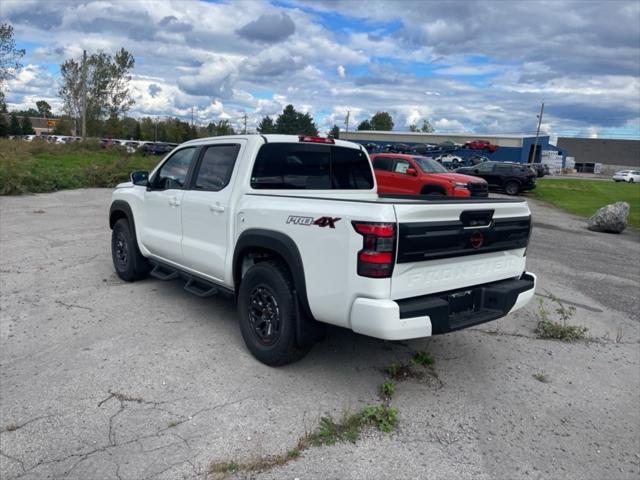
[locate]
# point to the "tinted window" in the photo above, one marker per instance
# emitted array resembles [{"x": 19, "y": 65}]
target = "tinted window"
[
  {"x": 216, "y": 167},
  {"x": 303, "y": 166},
  {"x": 173, "y": 173},
  {"x": 383, "y": 163},
  {"x": 485, "y": 167}
]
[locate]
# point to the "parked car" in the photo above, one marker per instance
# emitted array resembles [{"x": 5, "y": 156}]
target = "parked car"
[
  {"x": 449, "y": 146},
  {"x": 294, "y": 230},
  {"x": 511, "y": 177},
  {"x": 450, "y": 161},
  {"x": 397, "y": 148},
  {"x": 629, "y": 176},
  {"x": 371, "y": 147},
  {"x": 481, "y": 145},
  {"x": 423, "y": 148},
  {"x": 159, "y": 148},
  {"x": 416, "y": 175},
  {"x": 540, "y": 169}
]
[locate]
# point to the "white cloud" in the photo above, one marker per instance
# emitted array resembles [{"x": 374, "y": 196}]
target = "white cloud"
[{"x": 341, "y": 71}]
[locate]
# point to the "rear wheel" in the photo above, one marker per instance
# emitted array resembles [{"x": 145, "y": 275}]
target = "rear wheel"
[
  {"x": 268, "y": 312},
  {"x": 631, "y": 180},
  {"x": 128, "y": 262},
  {"x": 512, "y": 187}
]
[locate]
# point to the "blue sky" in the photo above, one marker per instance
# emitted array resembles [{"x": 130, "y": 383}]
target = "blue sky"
[{"x": 480, "y": 67}]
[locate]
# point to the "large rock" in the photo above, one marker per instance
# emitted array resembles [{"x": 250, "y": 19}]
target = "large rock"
[{"x": 612, "y": 218}]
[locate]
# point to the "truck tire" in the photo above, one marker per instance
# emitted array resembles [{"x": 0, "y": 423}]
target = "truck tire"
[
  {"x": 512, "y": 187},
  {"x": 128, "y": 262},
  {"x": 267, "y": 309}
]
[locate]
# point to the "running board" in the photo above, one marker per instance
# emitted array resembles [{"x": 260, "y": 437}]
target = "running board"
[
  {"x": 196, "y": 285},
  {"x": 163, "y": 272},
  {"x": 200, "y": 288}
]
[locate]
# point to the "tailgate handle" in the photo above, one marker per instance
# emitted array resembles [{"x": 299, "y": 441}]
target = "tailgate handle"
[{"x": 476, "y": 218}]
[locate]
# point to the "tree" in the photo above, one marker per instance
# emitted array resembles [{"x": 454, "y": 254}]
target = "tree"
[
  {"x": 137, "y": 132},
  {"x": 223, "y": 127},
  {"x": 27, "y": 128},
  {"x": 10, "y": 57},
  {"x": 4, "y": 126},
  {"x": 266, "y": 125},
  {"x": 381, "y": 121},
  {"x": 413, "y": 127},
  {"x": 107, "y": 87},
  {"x": 426, "y": 127},
  {"x": 365, "y": 125},
  {"x": 334, "y": 132},
  {"x": 44, "y": 109},
  {"x": 14, "y": 125},
  {"x": 290, "y": 122},
  {"x": 64, "y": 126}
]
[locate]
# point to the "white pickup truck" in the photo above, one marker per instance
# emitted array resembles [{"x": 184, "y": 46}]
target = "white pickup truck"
[{"x": 293, "y": 228}]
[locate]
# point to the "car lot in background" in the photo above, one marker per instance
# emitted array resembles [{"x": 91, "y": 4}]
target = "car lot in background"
[
  {"x": 409, "y": 174},
  {"x": 509, "y": 177},
  {"x": 450, "y": 160},
  {"x": 630, "y": 176}
]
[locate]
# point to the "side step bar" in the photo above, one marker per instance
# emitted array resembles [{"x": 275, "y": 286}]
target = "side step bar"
[
  {"x": 162, "y": 272},
  {"x": 198, "y": 286}
]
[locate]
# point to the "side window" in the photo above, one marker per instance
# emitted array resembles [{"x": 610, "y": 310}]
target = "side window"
[
  {"x": 401, "y": 166},
  {"x": 216, "y": 167},
  {"x": 485, "y": 167},
  {"x": 173, "y": 173},
  {"x": 500, "y": 168},
  {"x": 383, "y": 163}
]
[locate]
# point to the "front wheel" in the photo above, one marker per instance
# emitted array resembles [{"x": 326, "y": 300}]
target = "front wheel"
[
  {"x": 268, "y": 312},
  {"x": 128, "y": 262},
  {"x": 631, "y": 180},
  {"x": 512, "y": 188}
]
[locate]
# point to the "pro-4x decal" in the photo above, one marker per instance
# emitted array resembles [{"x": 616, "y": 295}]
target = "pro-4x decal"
[{"x": 307, "y": 221}]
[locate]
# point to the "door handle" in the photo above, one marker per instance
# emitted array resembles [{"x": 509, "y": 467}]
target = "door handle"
[
  {"x": 216, "y": 208},
  {"x": 174, "y": 202}
]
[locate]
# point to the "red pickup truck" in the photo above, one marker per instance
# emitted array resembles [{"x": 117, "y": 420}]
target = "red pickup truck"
[
  {"x": 411, "y": 174},
  {"x": 481, "y": 145}
]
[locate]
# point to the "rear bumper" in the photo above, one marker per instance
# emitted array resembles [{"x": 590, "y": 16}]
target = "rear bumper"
[{"x": 428, "y": 315}]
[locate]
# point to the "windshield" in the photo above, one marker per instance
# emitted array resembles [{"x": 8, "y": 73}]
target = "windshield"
[{"x": 427, "y": 165}]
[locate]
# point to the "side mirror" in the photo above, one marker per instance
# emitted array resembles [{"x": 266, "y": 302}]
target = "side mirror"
[
  {"x": 140, "y": 178},
  {"x": 476, "y": 171},
  {"x": 411, "y": 171}
]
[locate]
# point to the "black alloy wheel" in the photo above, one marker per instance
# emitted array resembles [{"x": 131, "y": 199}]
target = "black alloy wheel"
[{"x": 264, "y": 315}]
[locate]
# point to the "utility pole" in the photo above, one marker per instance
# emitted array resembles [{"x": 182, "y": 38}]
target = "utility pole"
[
  {"x": 347, "y": 120},
  {"x": 84, "y": 94},
  {"x": 535, "y": 145},
  {"x": 192, "y": 117},
  {"x": 245, "y": 123}
]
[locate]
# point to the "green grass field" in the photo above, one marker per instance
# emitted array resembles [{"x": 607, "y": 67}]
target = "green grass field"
[
  {"x": 584, "y": 197},
  {"x": 33, "y": 167}
]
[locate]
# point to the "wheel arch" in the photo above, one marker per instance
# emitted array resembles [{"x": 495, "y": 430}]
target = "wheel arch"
[
  {"x": 121, "y": 209},
  {"x": 257, "y": 240}
]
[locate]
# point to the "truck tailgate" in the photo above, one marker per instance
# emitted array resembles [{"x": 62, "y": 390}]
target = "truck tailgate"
[{"x": 449, "y": 246}]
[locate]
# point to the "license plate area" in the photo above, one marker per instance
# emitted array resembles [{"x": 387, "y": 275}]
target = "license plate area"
[{"x": 463, "y": 302}]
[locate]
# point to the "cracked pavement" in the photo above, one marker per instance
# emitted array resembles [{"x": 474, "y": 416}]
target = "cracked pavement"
[{"x": 100, "y": 379}]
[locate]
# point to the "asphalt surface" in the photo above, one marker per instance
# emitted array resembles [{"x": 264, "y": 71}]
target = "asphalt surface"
[{"x": 101, "y": 379}]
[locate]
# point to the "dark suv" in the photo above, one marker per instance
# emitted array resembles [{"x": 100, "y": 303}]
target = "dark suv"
[{"x": 513, "y": 178}]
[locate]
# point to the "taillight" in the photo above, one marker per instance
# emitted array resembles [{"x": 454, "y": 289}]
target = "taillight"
[
  {"x": 312, "y": 139},
  {"x": 377, "y": 256}
]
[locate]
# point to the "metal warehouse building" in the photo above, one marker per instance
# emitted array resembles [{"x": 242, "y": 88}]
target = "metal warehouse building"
[
  {"x": 617, "y": 152},
  {"x": 512, "y": 148}
]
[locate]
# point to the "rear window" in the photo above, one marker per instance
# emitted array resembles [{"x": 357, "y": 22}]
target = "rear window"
[{"x": 302, "y": 166}]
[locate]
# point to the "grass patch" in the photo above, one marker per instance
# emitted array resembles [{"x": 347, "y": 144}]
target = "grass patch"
[
  {"x": 585, "y": 197},
  {"x": 35, "y": 167},
  {"x": 548, "y": 328},
  {"x": 423, "y": 358}
]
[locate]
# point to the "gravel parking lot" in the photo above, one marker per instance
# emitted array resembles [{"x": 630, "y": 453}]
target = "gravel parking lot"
[{"x": 100, "y": 379}]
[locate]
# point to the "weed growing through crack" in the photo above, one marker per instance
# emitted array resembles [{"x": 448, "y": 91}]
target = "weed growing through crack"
[
  {"x": 387, "y": 389},
  {"x": 541, "y": 377},
  {"x": 423, "y": 358},
  {"x": 562, "y": 330}
]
